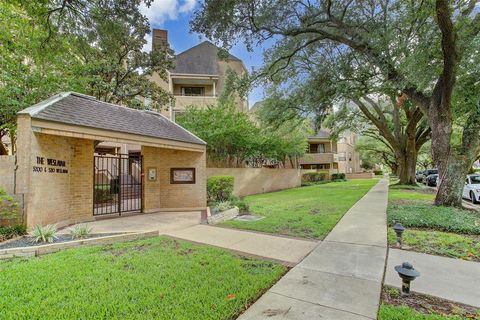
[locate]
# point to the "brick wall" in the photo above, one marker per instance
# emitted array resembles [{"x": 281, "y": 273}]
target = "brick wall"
[
  {"x": 54, "y": 197},
  {"x": 7, "y": 173},
  {"x": 161, "y": 194},
  {"x": 258, "y": 180}
]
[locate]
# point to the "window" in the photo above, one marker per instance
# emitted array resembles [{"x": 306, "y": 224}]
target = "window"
[
  {"x": 323, "y": 166},
  {"x": 342, "y": 156},
  {"x": 317, "y": 148},
  {"x": 475, "y": 179},
  {"x": 193, "y": 91}
]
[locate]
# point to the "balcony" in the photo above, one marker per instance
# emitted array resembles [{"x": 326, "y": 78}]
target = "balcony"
[
  {"x": 318, "y": 158},
  {"x": 183, "y": 101}
]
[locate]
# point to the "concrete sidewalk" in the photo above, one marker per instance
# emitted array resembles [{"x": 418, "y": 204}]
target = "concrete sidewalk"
[
  {"x": 452, "y": 279},
  {"x": 342, "y": 277},
  {"x": 282, "y": 249}
]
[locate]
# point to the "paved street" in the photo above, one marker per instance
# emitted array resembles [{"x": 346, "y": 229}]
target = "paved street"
[{"x": 342, "y": 277}]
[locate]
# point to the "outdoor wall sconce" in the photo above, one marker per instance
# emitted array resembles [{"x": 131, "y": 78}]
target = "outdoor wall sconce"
[
  {"x": 408, "y": 274},
  {"x": 399, "y": 228}
]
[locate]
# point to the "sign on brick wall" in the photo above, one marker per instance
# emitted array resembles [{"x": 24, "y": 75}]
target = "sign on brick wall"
[{"x": 49, "y": 165}]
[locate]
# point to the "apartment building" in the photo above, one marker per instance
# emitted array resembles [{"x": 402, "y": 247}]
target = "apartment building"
[
  {"x": 197, "y": 79},
  {"x": 332, "y": 156},
  {"x": 199, "y": 76}
]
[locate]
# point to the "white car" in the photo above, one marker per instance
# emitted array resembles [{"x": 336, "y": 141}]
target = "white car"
[{"x": 471, "y": 189}]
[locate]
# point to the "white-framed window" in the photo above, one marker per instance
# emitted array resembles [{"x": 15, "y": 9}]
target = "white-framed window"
[{"x": 342, "y": 156}]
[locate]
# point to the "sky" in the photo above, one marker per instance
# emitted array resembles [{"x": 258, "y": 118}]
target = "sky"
[{"x": 174, "y": 16}]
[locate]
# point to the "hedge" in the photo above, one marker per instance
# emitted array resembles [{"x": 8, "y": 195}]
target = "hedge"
[
  {"x": 219, "y": 188},
  {"x": 338, "y": 176},
  {"x": 314, "y": 176}
]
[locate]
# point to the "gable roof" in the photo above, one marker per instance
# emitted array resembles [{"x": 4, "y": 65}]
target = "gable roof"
[
  {"x": 200, "y": 59},
  {"x": 82, "y": 110}
]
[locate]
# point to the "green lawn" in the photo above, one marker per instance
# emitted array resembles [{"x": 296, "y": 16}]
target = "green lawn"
[
  {"x": 410, "y": 194},
  {"x": 388, "y": 312},
  {"x": 309, "y": 212},
  {"x": 157, "y": 278},
  {"x": 447, "y": 244},
  {"x": 436, "y": 230}
]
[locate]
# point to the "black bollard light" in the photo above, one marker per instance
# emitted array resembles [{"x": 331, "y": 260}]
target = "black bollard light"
[
  {"x": 408, "y": 274},
  {"x": 399, "y": 228}
]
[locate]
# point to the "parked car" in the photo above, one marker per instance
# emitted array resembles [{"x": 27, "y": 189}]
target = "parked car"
[
  {"x": 428, "y": 172},
  {"x": 431, "y": 180},
  {"x": 471, "y": 189},
  {"x": 419, "y": 175}
]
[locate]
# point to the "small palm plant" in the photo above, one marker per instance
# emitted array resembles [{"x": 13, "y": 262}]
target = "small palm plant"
[
  {"x": 46, "y": 233},
  {"x": 80, "y": 231}
]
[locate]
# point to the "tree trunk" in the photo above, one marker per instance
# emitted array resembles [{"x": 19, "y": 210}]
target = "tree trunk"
[
  {"x": 406, "y": 169},
  {"x": 452, "y": 175},
  {"x": 451, "y": 183}
]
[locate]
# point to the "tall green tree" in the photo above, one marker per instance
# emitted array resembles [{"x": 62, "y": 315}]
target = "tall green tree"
[
  {"x": 109, "y": 37},
  {"x": 30, "y": 69},
  {"x": 418, "y": 48},
  {"x": 89, "y": 46},
  {"x": 234, "y": 139}
]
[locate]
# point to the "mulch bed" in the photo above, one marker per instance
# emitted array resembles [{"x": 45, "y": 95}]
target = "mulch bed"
[
  {"x": 427, "y": 304},
  {"x": 28, "y": 241}
]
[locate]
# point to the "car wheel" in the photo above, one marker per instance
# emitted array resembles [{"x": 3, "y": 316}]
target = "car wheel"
[{"x": 472, "y": 197}]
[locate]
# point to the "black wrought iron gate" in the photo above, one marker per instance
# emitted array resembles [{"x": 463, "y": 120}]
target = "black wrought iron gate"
[{"x": 117, "y": 184}]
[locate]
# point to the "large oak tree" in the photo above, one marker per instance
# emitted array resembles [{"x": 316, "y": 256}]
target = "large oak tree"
[{"x": 424, "y": 49}]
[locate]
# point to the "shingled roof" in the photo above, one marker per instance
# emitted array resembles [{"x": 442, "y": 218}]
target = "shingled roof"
[
  {"x": 321, "y": 134},
  {"x": 200, "y": 59},
  {"x": 81, "y": 110}
]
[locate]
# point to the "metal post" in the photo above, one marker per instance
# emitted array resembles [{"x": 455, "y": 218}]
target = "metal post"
[{"x": 119, "y": 185}]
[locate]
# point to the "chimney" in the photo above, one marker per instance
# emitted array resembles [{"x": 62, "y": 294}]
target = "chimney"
[{"x": 159, "y": 39}]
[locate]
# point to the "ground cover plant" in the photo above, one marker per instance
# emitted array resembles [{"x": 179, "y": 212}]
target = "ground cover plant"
[
  {"x": 156, "y": 278},
  {"x": 422, "y": 307},
  {"x": 309, "y": 212},
  {"x": 12, "y": 232},
  {"x": 445, "y": 231},
  {"x": 447, "y": 244}
]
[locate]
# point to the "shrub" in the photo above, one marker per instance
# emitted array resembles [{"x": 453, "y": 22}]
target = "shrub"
[
  {"x": 219, "y": 188},
  {"x": 432, "y": 217},
  {"x": 224, "y": 205},
  {"x": 10, "y": 232},
  {"x": 313, "y": 177},
  {"x": 46, "y": 233},
  {"x": 378, "y": 172},
  {"x": 339, "y": 177},
  {"x": 103, "y": 195},
  {"x": 9, "y": 208},
  {"x": 241, "y": 204},
  {"x": 80, "y": 231}
]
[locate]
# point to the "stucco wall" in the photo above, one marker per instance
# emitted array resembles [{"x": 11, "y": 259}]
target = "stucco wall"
[
  {"x": 53, "y": 193},
  {"x": 161, "y": 194},
  {"x": 259, "y": 180},
  {"x": 7, "y": 173},
  {"x": 360, "y": 175}
]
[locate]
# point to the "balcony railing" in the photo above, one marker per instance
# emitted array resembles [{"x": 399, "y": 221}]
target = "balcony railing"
[
  {"x": 318, "y": 158},
  {"x": 184, "y": 101}
]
